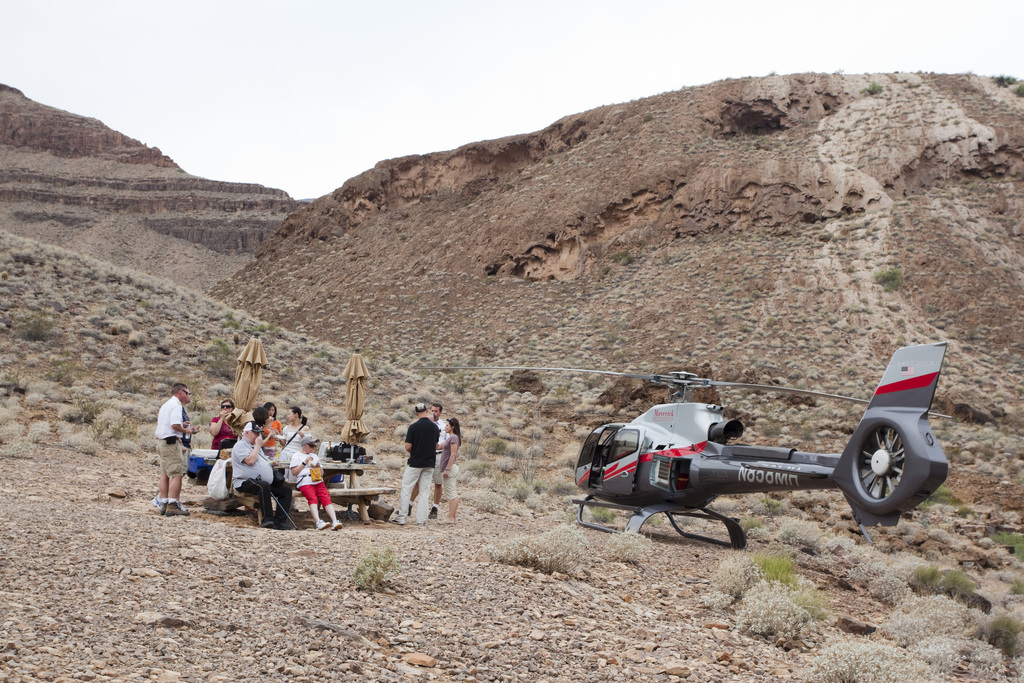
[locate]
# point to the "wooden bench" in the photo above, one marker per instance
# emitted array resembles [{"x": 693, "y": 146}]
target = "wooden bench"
[{"x": 361, "y": 497}]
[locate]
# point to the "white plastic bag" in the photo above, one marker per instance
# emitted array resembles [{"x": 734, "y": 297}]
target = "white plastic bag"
[{"x": 217, "y": 485}]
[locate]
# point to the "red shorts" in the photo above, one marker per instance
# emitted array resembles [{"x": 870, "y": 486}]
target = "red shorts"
[{"x": 314, "y": 491}]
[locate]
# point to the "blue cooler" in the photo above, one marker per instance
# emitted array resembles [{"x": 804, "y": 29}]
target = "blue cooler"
[{"x": 197, "y": 467}]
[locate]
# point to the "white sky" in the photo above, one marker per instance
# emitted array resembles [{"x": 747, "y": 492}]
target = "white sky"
[{"x": 303, "y": 94}]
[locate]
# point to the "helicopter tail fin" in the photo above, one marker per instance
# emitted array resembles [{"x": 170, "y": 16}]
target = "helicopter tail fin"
[{"x": 893, "y": 461}]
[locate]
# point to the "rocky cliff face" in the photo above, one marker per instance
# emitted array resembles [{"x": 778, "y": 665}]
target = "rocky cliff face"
[
  {"x": 883, "y": 208},
  {"x": 73, "y": 181}
]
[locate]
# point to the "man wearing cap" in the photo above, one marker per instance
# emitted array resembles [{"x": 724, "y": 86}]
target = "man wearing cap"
[
  {"x": 171, "y": 426},
  {"x": 305, "y": 466},
  {"x": 251, "y": 473},
  {"x": 420, "y": 441}
]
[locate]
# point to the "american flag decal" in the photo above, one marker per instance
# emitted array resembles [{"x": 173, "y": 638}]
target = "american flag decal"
[{"x": 906, "y": 370}]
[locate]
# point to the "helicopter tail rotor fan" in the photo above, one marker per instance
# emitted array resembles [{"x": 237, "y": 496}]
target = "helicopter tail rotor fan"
[{"x": 893, "y": 461}]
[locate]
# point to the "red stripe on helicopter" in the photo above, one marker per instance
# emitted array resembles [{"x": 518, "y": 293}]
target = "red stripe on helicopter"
[
  {"x": 676, "y": 452},
  {"x": 619, "y": 468},
  {"x": 906, "y": 384},
  {"x": 586, "y": 475}
]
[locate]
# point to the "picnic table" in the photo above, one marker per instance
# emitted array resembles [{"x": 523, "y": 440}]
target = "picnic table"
[{"x": 344, "y": 490}]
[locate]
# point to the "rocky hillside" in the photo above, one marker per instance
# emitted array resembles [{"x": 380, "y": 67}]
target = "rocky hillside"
[
  {"x": 73, "y": 181},
  {"x": 832, "y": 216}
]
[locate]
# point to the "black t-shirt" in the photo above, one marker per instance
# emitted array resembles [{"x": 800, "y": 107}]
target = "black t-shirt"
[{"x": 423, "y": 435}]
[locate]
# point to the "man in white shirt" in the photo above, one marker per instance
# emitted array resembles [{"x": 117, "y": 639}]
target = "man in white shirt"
[
  {"x": 170, "y": 426},
  {"x": 442, "y": 425}
]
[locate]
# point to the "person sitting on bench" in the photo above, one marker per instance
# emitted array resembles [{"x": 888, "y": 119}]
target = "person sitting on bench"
[
  {"x": 251, "y": 473},
  {"x": 305, "y": 466}
]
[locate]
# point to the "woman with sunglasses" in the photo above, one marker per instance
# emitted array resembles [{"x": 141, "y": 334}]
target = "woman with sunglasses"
[{"x": 219, "y": 428}]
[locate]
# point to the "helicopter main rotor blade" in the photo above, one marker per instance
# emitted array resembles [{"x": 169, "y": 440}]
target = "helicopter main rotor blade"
[
  {"x": 681, "y": 379},
  {"x": 650, "y": 378}
]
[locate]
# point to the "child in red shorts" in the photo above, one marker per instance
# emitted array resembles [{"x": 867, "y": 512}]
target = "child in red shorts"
[{"x": 305, "y": 465}]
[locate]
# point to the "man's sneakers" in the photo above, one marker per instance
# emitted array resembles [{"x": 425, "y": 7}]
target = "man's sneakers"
[
  {"x": 336, "y": 526},
  {"x": 433, "y": 513},
  {"x": 158, "y": 504},
  {"x": 322, "y": 524}
]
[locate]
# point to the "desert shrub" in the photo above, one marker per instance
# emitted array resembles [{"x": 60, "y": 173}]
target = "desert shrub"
[
  {"x": 768, "y": 506},
  {"x": 889, "y": 278},
  {"x": 1002, "y": 631},
  {"x": 375, "y": 568},
  {"x": 562, "y": 549},
  {"x": 1017, "y": 586},
  {"x": 623, "y": 258},
  {"x": 82, "y": 411},
  {"x": 926, "y": 579},
  {"x": 519, "y": 491},
  {"x": 130, "y": 382},
  {"x": 888, "y": 588},
  {"x": 63, "y": 369},
  {"x": 800, "y": 533},
  {"x": 112, "y": 426},
  {"x": 873, "y": 89},
  {"x": 220, "y": 359},
  {"x": 38, "y": 431},
  {"x": 865, "y": 661},
  {"x": 495, "y": 446},
  {"x": 602, "y": 515},
  {"x": 735, "y": 575},
  {"x": 561, "y": 487},
  {"x": 958, "y": 586},
  {"x": 1004, "y": 81},
  {"x": 1010, "y": 539},
  {"x": 777, "y": 568},
  {"x": 1019, "y": 90},
  {"x": 768, "y": 610},
  {"x": 748, "y": 523},
  {"x": 82, "y": 442},
  {"x": 629, "y": 547},
  {"x": 36, "y": 327},
  {"x": 918, "y": 618},
  {"x": 485, "y": 501}
]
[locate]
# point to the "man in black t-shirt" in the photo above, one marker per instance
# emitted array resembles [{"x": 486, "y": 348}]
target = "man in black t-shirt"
[{"x": 420, "y": 441}]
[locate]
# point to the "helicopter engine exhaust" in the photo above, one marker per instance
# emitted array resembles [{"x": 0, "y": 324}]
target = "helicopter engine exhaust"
[{"x": 725, "y": 431}]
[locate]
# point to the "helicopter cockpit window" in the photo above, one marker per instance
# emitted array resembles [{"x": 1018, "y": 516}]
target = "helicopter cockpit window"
[{"x": 625, "y": 442}]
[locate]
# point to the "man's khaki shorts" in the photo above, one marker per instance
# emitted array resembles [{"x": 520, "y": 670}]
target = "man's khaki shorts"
[{"x": 173, "y": 461}]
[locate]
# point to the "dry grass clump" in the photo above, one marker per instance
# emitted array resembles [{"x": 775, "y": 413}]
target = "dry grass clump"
[
  {"x": 863, "y": 661},
  {"x": 376, "y": 567},
  {"x": 562, "y": 549},
  {"x": 629, "y": 547}
]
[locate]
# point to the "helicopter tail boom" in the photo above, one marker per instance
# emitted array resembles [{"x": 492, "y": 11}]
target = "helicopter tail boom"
[{"x": 892, "y": 461}]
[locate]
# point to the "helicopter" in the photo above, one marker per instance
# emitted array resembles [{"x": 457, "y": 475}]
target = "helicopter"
[{"x": 676, "y": 457}]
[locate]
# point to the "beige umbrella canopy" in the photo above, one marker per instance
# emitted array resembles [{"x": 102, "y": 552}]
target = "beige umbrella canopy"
[
  {"x": 248, "y": 375},
  {"x": 355, "y": 375}
]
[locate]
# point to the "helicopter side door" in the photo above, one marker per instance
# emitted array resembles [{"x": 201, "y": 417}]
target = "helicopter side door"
[{"x": 619, "y": 456}]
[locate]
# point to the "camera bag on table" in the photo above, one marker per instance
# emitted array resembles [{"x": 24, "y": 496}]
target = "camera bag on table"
[{"x": 345, "y": 452}]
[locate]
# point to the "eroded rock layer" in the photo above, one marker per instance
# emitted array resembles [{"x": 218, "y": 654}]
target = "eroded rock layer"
[{"x": 73, "y": 181}]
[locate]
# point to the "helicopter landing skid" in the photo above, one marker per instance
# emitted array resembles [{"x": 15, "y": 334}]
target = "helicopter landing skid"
[{"x": 737, "y": 537}]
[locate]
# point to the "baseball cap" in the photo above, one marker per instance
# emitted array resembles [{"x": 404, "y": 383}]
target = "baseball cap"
[
  {"x": 309, "y": 441},
  {"x": 249, "y": 428},
  {"x": 420, "y": 408}
]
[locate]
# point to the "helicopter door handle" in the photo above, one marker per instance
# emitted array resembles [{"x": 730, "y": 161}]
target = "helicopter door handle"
[{"x": 624, "y": 474}]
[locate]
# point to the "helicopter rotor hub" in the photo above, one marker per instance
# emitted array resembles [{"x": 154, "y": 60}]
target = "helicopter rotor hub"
[{"x": 881, "y": 462}]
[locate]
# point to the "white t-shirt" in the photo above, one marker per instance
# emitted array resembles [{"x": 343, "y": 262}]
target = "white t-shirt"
[
  {"x": 306, "y": 478},
  {"x": 442, "y": 424},
  {"x": 293, "y": 446}
]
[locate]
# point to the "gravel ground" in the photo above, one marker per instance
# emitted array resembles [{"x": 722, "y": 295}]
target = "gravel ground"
[{"x": 94, "y": 585}]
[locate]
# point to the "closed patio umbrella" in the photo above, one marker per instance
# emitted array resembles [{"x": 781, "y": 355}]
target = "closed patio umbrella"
[
  {"x": 355, "y": 375},
  {"x": 248, "y": 375}
]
